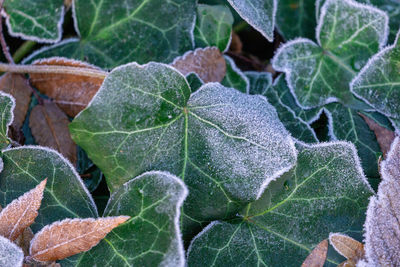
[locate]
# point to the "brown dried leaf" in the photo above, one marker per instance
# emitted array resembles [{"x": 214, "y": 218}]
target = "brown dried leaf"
[
  {"x": 348, "y": 263},
  {"x": 21, "y": 212},
  {"x": 317, "y": 257},
  {"x": 17, "y": 85},
  {"x": 24, "y": 240},
  {"x": 72, "y": 93},
  {"x": 49, "y": 126},
  {"x": 348, "y": 247},
  {"x": 384, "y": 136},
  {"x": 236, "y": 44},
  {"x": 208, "y": 63},
  {"x": 71, "y": 236}
]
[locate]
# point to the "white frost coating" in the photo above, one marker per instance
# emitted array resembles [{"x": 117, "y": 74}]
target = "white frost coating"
[
  {"x": 204, "y": 231},
  {"x": 251, "y": 17},
  {"x": 64, "y": 59},
  {"x": 12, "y": 114},
  {"x": 66, "y": 161},
  {"x": 331, "y": 133},
  {"x": 169, "y": 260},
  {"x": 34, "y": 38},
  {"x": 228, "y": 44},
  {"x": 367, "y": 9},
  {"x": 10, "y": 254},
  {"x": 333, "y": 244},
  {"x": 75, "y": 19},
  {"x": 239, "y": 72}
]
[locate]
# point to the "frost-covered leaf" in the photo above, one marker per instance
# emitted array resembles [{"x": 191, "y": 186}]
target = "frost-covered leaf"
[
  {"x": 49, "y": 126},
  {"x": 382, "y": 227},
  {"x": 258, "y": 13},
  {"x": 234, "y": 77},
  {"x": 296, "y": 18},
  {"x": 21, "y": 212},
  {"x": 325, "y": 192},
  {"x": 10, "y": 254},
  {"x": 194, "y": 82},
  {"x": 7, "y": 106},
  {"x": 213, "y": 26},
  {"x": 39, "y": 20},
  {"x": 225, "y": 145},
  {"x": 348, "y": 247},
  {"x": 261, "y": 83},
  {"x": 317, "y": 256},
  {"x": 152, "y": 236},
  {"x": 113, "y": 33},
  {"x": 348, "y": 34},
  {"x": 24, "y": 240},
  {"x": 346, "y": 124},
  {"x": 72, "y": 93},
  {"x": 65, "y": 196},
  {"x": 71, "y": 236},
  {"x": 208, "y": 63}
]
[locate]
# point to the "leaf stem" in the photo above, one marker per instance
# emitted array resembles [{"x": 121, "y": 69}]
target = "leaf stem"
[
  {"x": 3, "y": 43},
  {"x": 53, "y": 70},
  {"x": 24, "y": 49}
]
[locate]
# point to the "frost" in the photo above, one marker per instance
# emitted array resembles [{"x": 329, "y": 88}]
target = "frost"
[
  {"x": 348, "y": 34},
  {"x": 10, "y": 254},
  {"x": 234, "y": 77},
  {"x": 7, "y": 106}
]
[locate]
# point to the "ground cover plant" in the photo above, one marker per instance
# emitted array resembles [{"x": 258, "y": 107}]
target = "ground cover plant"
[{"x": 200, "y": 133}]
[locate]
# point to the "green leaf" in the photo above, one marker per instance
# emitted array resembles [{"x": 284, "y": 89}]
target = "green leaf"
[
  {"x": 10, "y": 254},
  {"x": 146, "y": 120},
  {"x": 261, "y": 83},
  {"x": 194, "y": 81},
  {"x": 7, "y": 105},
  {"x": 378, "y": 83},
  {"x": 296, "y": 18},
  {"x": 258, "y": 13},
  {"x": 348, "y": 34},
  {"x": 39, "y": 20},
  {"x": 234, "y": 77},
  {"x": 65, "y": 195},
  {"x": 141, "y": 31},
  {"x": 152, "y": 236},
  {"x": 213, "y": 26},
  {"x": 346, "y": 124},
  {"x": 326, "y": 192}
]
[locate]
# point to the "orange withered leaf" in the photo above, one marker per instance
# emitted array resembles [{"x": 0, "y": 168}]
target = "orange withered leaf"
[
  {"x": 348, "y": 247},
  {"x": 317, "y": 257}
]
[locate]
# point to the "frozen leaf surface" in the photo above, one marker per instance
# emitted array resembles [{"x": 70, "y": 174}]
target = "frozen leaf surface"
[
  {"x": 10, "y": 254},
  {"x": 348, "y": 247},
  {"x": 258, "y": 13},
  {"x": 7, "y": 106},
  {"x": 113, "y": 33},
  {"x": 325, "y": 192},
  {"x": 71, "y": 236},
  {"x": 221, "y": 142},
  {"x": 65, "y": 195},
  {"x": 152, "y": 236},
  {"x": 39, "y": 20},
  {"x": 213, "y": 26},
  {"x": 21, "y": 212},
  {"x": 234, "y": 77},
  {"x": 348, "y": 34},
  {"x": 317, "y": 256}
]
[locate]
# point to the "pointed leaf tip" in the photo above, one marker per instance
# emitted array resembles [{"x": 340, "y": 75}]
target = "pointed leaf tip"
[
  {"x": 317, "y": 257},
  {"x": 21, "y": 212},
  {"x": 71, "y": 236},
  {"x": 348, "y": 247}
]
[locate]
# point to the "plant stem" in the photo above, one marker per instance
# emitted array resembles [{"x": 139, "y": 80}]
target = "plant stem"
[
  {"x": 53, "y": 70},
  {"x": 3, "y": 43},
  {"x": 24, "y": 49}
]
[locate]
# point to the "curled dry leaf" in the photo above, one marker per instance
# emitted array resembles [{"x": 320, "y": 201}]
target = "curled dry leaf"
[
  {"x": 49, "y": 126},
  {"x": 384, "y": 136},
  {"x": 317, "y": 257},
  {"x": 348, "y": 247},
  {"x": 71, "y": 236},
  {"x": 71, "y": 92},
  {"x": 24, "y": 240},
  {"x": 208, "y": 63},
  {"x": 21, "y": 212}
]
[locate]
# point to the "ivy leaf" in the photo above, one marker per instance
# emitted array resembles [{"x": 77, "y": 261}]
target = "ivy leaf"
[
  {"x": 153, "y": 200},
  {"x": 10, "y": 254},
  {"x": 262, "y": 82},
  {"x": 71, "y": 236},
  {"x": 348, "y": 34},
  {"x": 325, "y": 192},
  {"x": 346, "y": 124},
  {"x": 258, "y": 13},
  {"x": 317, "y": 256},
  {"x": 382, "y": 244},
  {"x": 65, "y": 194},
  {"x": 7, "y": 106},
  {"x": 40, "y": 21},
  {"x": 140, "y": 31},
  {"x": 21, "y": 212},
  {"x": 147, "y": 119},
  {"x": 208, "y": 63},
  {"x": 234, "y": 77},
  {"x": 194, "y": 82},
  {"x": 71, "y": 92},
  {"x": 213, "y": 26},
  {"x": 296, "y": 18}
]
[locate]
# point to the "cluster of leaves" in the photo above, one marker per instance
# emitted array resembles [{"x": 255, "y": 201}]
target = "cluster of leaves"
[{"x": 215, "y": 166}]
